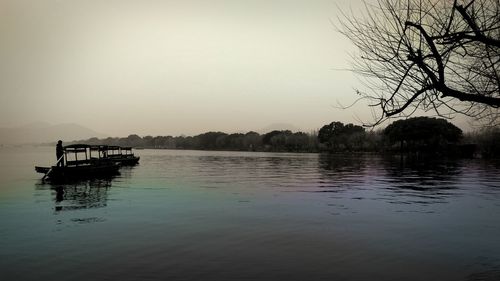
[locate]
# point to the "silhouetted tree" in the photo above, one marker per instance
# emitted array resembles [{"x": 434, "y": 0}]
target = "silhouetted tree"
[
  {"x": 442, "y": 56},
  {"x": 266, "y": 139},
  {"x": 285, "y": 141},
  {"x": 328, "y": 134},
  {"x": 209, "y": 140},
  {"x": 183, "y": 142},
  {"x": 252, "y": 140},
  {"x": 233, "y": 141},
  {"x": 160, "y": 142},
  {"x": 488, "y": 141},
  {"x": 422, "y": 133},
  {"x": 298, "y": 141},
  {"x": 133, "y": 140},
  {"x": 273, "y": 141},
  {"x": 148, "y": 141},
  {"x": 338, "y": 136},
  {"x": 373, "y": 141}
]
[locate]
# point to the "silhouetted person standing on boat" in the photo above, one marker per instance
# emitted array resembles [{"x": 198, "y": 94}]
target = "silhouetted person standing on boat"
[{"x": 59, "y": 153}]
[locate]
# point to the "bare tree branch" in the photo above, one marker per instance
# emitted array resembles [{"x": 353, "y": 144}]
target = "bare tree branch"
[{"x": 442, "y": 56}]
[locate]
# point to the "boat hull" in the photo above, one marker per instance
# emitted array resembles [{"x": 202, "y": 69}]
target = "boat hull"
[
  {"x": 80, "y": 171},
  {"x": 127, "y": 161}
]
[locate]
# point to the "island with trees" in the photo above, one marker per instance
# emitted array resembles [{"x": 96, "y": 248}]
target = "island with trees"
[{"x": 416, "y": 135}]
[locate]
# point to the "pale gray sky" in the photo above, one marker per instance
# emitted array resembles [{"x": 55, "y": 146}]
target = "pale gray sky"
[{"x": 175, "y": 67}]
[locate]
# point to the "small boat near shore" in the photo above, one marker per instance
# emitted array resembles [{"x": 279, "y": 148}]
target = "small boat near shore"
[
  {"x": 81, "y": 161},
  {"x": 121, "y": 154}
]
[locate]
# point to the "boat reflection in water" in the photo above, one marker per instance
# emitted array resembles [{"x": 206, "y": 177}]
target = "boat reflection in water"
[{"x": 81, "y": 194}]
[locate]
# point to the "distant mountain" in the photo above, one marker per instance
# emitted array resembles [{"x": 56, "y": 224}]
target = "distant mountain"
[
  {"x": 279, "y": 127},
  {"x": 41, "y": 132}
]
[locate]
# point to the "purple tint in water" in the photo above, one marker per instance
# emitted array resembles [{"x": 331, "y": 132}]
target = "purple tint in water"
[{"x": 198, "y": 215}]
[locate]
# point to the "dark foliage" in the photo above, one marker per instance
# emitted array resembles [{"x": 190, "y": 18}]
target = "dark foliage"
[
  {"x": 283, "y": 141},
  {"x": 487, "y": 142},
  {"x": 422, "y": 133},
  {"x": 418, "y": 134},
  {"x": 340, "y": 137}
]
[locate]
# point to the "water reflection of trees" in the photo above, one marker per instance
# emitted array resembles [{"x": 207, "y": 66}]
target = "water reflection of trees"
[
  {"x": 341, "y": 163},
  {"x": 85, "y": 194},
  {"x": 427, "y": 180},
  {"x": 391, "y": 178},
  {"x": 341, "y": 171},
  {"x": 422, "y": 174},
  {"x": 287, "y": 171}
]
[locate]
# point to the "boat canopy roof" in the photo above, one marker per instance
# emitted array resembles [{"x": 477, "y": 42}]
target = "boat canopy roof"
[
  {"x": 99, "y": 147},
  {"x": 76, "y": 146},
  {"x": 81, "y": 146},
  {"x": 114, "y": 147}
]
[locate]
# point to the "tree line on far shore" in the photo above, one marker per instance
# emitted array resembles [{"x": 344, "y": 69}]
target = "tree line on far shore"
[
  {"x": 277, "y": 140},
  {"x": 413, "y": 135}
]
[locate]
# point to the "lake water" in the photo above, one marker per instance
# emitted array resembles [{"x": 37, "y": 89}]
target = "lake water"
[{"x": 198, "y": 215}]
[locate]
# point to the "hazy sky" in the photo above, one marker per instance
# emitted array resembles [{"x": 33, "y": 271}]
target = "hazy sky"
[{"x": 175, "y": 67}]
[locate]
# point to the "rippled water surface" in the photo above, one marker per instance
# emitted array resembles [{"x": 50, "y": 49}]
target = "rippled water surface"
[{"x": 196, "y": 215}]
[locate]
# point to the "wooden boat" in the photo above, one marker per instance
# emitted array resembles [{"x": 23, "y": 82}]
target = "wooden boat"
[
  {"x": 78, "y": 162},
  {"x": 122, "y": 155}
]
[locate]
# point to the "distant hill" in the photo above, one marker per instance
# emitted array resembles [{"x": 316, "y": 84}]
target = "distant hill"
[{"x": 41, "y": 132}]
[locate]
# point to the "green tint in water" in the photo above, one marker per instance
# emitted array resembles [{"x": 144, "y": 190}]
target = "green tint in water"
[{"x": 194, "y": 215}]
